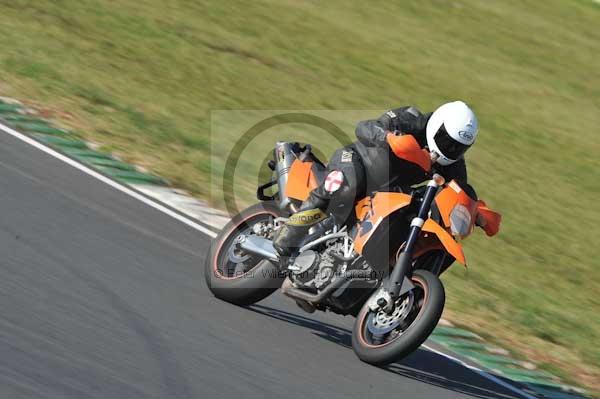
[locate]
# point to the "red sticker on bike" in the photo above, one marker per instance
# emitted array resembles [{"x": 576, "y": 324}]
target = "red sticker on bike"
[{"x": 334, "y": 181}]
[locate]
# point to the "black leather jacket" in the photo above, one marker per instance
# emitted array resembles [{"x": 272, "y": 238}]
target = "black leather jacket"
[{"x": 385, "y": 170}]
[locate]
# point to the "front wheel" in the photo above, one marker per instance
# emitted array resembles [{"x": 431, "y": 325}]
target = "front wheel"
[
  {"x": 237, "y": 277},
  {"x": 380, "y": 338}
]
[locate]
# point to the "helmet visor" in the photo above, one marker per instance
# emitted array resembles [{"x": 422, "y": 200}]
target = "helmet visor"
[{"x": 449, "y": 147}]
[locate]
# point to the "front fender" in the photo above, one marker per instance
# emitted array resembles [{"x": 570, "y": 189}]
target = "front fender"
[{"x": 453, "y": 248}]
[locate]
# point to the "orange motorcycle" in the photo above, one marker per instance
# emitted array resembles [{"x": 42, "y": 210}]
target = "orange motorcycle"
[{"x": 381, "y": 266}]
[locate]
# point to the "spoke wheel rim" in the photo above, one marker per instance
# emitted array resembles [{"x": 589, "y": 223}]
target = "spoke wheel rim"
[
  {"x": 378, "y": 329},
  {"x": 231, "y": 262}
]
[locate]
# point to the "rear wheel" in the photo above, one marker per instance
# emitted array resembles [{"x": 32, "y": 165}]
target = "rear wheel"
[
  {"x": 380, "y": 338},
  {"x": 235, "y": 276}
]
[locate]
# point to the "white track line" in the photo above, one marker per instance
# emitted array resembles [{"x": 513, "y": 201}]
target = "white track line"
[
  {"x": 482, "y": 373},
  {"x": 210, "y": 233},
  {"x": 122, "y": 188}
]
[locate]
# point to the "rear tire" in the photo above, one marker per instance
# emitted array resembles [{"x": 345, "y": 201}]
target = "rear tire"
[
  {"x": 259, "y": 281},
  {"x": 382, "y": 353}
]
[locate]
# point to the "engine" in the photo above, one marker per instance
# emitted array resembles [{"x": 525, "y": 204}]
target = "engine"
[
  {"x": 312, "y": 270},
  {"x": 315, "y": 270}
]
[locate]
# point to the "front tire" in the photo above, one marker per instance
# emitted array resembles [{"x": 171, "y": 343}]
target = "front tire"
[
  {"x": 373, "y": 345},
  {"x": 256, "y": 280}
]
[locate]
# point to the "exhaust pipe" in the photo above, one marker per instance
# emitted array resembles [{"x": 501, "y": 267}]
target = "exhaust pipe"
[
  {"x": 284, "y": 157},
  {"x": 258, "y": 246},
  {"x": 264, "y": 248},
  {"x": 288, "y": 289}
]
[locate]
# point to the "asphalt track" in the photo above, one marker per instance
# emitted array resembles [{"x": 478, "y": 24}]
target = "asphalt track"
[{"x": 103, "y": 296}]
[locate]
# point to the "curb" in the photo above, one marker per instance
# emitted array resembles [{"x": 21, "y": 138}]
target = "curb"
[
  {"x": 498, "y": 362},
  {"x": 25, "y": 120}
]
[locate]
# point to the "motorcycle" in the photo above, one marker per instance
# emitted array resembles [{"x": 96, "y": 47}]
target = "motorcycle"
[{"x": 381, "y": 266}]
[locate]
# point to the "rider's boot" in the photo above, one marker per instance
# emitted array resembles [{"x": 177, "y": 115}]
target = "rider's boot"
[{"x": 289, "y": 237}]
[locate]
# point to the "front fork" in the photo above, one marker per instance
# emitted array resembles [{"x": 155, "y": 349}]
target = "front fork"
[{"x": 399, "y": 281}]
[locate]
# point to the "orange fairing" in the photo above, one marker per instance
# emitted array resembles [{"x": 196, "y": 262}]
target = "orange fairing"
[
  {"x": 362, "y": 208},
  {"x": 488, "y": 219},
  {"x": 371, "y": 211},
  {"x": 451, "y": 196},
  {"x": 453, "y": 248},
  {"x": 406, "y": 147},
  {"x": 301, "y": 180}
]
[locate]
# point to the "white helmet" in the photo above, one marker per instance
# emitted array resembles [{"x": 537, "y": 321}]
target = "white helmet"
[{"x": 451, "y": 130}]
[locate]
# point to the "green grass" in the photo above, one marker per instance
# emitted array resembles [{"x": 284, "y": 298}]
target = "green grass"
[{"x": 142, "y": 78}]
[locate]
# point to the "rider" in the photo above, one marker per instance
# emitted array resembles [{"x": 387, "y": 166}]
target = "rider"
[{"x": 377, "y": 162}]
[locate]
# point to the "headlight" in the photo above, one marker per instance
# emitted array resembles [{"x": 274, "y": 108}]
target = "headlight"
[{"x": 460, "y": 221}]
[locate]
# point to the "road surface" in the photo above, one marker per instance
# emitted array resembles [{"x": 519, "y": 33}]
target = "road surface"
[{"x": 103, "y": 297}]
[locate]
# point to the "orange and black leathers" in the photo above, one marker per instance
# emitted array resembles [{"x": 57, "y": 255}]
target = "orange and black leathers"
[
  {"x": 384, "y": 170},
  {"x": 373, "y": 165},
  {"x": 368, "y": 165},
  {"x": 339, "y": 203}
]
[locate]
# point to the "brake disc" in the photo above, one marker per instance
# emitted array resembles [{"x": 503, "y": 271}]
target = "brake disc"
[{"x": 380, "y": 323}]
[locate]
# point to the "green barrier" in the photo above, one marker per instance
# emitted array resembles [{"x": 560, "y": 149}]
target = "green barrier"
[
  {"x": 61, "y": 142},
  {"x": 111, "y": 163},
  {"x": 86, "y": 155},
  {"x": 523, "y": 373},
  {"x": 131, "y": 176},
  {"x": 460, "y": 343},
  {"x": 23, "y": 118},
  {"x": 489, "y": 359},
  {"x": 40, "y": 128},
  {"x": 4, "y": 108},
  {"x": 454, "y": 332}
]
